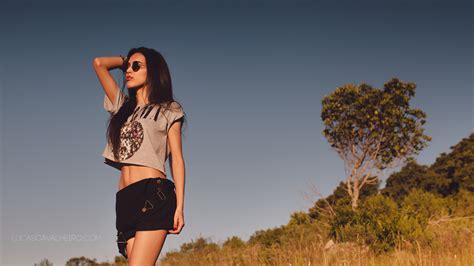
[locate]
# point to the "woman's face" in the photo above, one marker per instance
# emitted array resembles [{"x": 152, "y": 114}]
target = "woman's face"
[{"x": 136, "y": 79}]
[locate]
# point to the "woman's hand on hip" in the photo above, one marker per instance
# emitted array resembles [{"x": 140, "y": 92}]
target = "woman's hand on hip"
[{"x": 178, "y": 222}]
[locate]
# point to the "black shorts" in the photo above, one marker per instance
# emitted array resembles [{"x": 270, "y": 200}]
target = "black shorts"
[{"x": 148, "y": 204}]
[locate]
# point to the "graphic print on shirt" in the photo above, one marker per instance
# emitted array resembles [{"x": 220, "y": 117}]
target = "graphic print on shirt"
[
  {"x": 131, "y": 138},
  {"x": 132, "y": 133}
]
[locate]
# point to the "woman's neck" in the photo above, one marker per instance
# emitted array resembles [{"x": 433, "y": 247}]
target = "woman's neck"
[{"x": 142, "y": 96}]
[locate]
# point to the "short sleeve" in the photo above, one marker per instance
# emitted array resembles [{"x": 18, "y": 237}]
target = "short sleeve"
[
  {"x": 113, "y": 108},
  {"x": 175, "y": 113}
]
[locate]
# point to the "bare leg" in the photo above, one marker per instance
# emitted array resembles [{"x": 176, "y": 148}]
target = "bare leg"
[
  {"x": 146, "y": 247},
  {"x": 130, "y": 246}
]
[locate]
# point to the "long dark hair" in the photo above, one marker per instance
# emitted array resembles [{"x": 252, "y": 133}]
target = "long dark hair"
[{"x": 158, "y": 81}]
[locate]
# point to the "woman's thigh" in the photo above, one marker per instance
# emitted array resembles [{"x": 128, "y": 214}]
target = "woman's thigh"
[{"x": 146, "y": 246}]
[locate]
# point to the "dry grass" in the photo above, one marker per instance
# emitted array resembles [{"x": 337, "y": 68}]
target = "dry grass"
[{"x": 450, "y": 244}]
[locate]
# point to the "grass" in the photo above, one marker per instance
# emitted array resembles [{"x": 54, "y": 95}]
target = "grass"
[{"x": 449, "y": 244}]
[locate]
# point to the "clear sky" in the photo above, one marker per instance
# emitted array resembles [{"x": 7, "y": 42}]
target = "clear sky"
[{"x": 250, "y": 75}]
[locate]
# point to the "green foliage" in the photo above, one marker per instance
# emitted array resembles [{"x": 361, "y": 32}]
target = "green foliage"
[
  {"x": 120, "y": 260},
  {"x": 200, "y": 244},
  {"x": 446, "y": 176},
  {"x": 267, "y": 238},
  {"x": 382, "y": 224},
  {"x": 417, "y": 210},
  {"x": 346, "y": 225},
  {"x": 456, "y": 169},
  {"x": 81, "y": 261},
  {"x": 233, "y": 243},
  {"x": 299, "y": 218},
  {"x": 44, "y": 262},
  {"x": 380, "y": 216},
  {"x": 423, "y": 206},
  {"x": 375, "y": 224},
  {"x": 399, "y": 184},
  {"x": 462, "y": 204}
]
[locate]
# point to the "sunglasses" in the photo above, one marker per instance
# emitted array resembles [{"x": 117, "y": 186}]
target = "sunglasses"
[{"x": 136, "y": 65}]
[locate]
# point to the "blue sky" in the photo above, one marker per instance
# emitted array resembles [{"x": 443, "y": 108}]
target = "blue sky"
[{"x": 250, "y": 75}]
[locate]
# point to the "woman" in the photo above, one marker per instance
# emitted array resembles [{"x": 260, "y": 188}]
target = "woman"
[{"x": 144, "y": 128}]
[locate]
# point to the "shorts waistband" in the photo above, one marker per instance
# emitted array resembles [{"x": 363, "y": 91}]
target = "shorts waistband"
[{"x": 160, "y": 180}]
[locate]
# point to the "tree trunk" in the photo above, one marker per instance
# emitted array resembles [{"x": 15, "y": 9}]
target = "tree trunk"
[{"x": 355, "y": 198}]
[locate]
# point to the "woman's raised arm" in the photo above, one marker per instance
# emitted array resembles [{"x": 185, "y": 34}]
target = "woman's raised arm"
[{"x": 102, "y": 65}]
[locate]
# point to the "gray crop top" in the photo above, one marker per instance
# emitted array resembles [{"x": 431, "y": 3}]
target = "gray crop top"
[{"x": 144, "y": 136}]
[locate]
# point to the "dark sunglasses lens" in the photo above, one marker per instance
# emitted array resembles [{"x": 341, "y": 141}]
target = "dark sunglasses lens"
[{"x": 135, "y": 66}]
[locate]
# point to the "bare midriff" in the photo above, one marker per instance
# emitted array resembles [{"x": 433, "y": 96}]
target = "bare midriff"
[{"x": 134, "y": 173}]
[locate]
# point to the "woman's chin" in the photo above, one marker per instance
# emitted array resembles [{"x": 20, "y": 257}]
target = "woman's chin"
[{"x": 131, "y": 86}]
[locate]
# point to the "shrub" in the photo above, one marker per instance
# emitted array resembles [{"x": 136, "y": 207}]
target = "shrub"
[{"x": 383, "y": 225}]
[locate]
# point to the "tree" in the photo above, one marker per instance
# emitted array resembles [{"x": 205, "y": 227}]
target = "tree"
[
  {"x": 372, "y": 130},
  {"x": 81, "y": 261},
  {"x": 450, "y": 173},
  {"x": 44, "y": 262},
  {"x": 411, "y": 176},
  {"x": 456, "y": 168}
]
